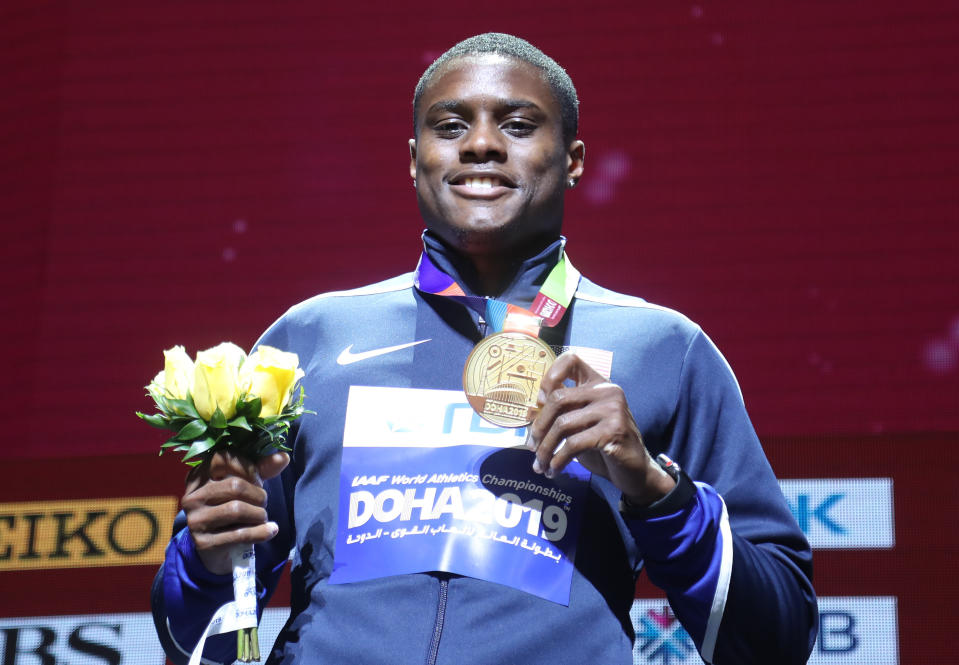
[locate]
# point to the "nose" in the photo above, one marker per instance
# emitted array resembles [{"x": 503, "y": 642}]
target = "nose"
[{"x": 483, "y": 142}]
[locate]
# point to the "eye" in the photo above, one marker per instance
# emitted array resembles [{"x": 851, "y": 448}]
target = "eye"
[
  {"x": 519, "y": 127},
  {"x": 449, "y": 127}
]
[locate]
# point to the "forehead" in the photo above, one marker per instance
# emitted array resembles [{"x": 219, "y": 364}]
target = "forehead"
[{"x": 488, "y": 78}]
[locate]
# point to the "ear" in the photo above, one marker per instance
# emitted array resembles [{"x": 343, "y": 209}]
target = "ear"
[
  {"x": 413, "y": 159},
  {"x": 575, "y": 157}
]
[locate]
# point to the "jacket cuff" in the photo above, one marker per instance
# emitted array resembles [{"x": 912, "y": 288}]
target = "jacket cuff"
[
  {"x": 193, "y": 566},
  {"x": 684, "y": 534},
  {"x": 677, "y": 499}
]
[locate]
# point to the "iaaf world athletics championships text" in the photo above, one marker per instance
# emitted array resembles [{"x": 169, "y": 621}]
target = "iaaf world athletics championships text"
[{"x": 489, "y": 479}]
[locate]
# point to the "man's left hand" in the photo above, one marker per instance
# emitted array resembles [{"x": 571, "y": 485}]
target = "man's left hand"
[{"x": 591, "y": 421}]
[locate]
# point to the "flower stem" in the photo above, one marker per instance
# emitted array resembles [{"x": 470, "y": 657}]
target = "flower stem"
[
  {"x": 244, "y": 596},
  {"x": 247, "y": 645},
  {"x": 241, "y": 646}
]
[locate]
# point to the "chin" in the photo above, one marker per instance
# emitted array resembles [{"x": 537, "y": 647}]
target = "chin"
[
  {"x": 498, "y": 241},
  {"x": 475, "y": 240}
]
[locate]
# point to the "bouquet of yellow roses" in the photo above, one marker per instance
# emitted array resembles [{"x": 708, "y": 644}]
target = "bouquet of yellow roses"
[{"x": 226, "y": 400}]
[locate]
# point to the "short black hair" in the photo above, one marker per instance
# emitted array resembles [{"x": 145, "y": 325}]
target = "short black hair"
[{"x": 514, "y": 47}]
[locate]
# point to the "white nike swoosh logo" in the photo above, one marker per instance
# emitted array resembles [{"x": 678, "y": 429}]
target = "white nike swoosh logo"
[{"x": 347, "y": 357}]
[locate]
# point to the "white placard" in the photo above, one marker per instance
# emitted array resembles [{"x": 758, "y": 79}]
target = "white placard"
[
  {"x": 853, "y": 631},
  {"x": 129, "y": 639},
  {"x": 410, "y": 418},
  {"x": 843, "y": 513}
]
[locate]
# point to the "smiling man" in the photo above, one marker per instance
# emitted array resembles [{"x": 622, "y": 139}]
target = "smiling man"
[
  {"x": 462, "y": 495},
  {"x": 491, "y": 161}
]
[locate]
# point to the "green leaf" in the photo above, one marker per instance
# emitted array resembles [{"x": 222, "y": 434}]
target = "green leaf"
[
  {"x": 178, "y": 422},
  {"x": 252, "y": 408},
  {"x": 176, "y": 445},
  {"x": 156, "y": 396},
  {"x": 183, "y": 406},
  {"x": 241, "y": 423},
  {"x": 298, "y": 404},
  {"x": 163, "y": 404},
  {"x": 218, "y": 420},
  {"x": 199, "y": 447},
  {"x": 156, "y": 420},
  {"x": 192, "y": 430}
]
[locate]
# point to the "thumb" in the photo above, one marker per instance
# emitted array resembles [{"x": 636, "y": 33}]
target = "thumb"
[{"x": 272, "y": 465}]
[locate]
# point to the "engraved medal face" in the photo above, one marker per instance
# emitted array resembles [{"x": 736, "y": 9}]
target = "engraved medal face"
[{"x": 502, "y": 376}]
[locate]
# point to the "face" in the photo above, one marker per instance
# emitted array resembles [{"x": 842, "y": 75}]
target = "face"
[{"x": 489, "y": 161}]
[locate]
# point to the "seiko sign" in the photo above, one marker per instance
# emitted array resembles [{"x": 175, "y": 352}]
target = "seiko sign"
[
  {"x": 85, "y": 533},
  {"x": 841, "y": 513}
]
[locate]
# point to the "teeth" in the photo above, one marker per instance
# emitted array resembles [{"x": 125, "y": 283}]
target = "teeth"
[{"x": 481, "y": 183}]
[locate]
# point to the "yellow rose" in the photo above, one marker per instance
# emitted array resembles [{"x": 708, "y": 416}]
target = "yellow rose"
[
  {"x": 177, "y": 372},
  {"x": 215, "y": 381},
  {"x": 270, "y": 374}
]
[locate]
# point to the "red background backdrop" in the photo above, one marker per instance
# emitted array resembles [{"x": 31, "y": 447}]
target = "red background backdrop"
[{"x": 784, "y": 174}]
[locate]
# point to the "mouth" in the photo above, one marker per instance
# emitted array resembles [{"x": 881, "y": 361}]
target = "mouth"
[{"x": 481, "y": 185}]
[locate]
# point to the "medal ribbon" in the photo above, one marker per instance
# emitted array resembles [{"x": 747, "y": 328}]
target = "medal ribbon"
[{"x": 547, "y": 309}]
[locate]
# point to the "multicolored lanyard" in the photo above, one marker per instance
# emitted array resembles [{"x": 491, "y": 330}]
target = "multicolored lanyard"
[{"x": 547, "y": 309}]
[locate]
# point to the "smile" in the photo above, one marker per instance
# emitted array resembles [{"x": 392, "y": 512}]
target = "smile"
[{"x": 481, "y": 183}]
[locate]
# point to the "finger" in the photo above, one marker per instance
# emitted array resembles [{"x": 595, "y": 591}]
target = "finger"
[
  {"x": 586, "y": 419},
  {"x": 566, "y": 399},
  {"x": 224, "y": 463},
  {"x": 225, "y": 517},
  {"x": 243, "y": 536},
  {"x": 566, "y": 412},
  {"x": 592, "y": 428},
  {"x": 568, "y": 436},
  {"x": 219, "y": 466},
  {"x": 603, "y": 432},
  {"x": 214, "y": 548},
  {"x": 555, "y": 403},
  {"x": 272, "y": 465},
  {"x": 570, "y": 366},
  {"x": 218, "y": 492}
]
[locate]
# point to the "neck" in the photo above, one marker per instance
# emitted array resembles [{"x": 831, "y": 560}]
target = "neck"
[
  {"x": 493, "y": 274},
  {"x": 495, "y": 270}
]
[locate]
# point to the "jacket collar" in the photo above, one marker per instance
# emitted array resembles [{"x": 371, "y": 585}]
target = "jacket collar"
[{"x": 527, "y": 281}]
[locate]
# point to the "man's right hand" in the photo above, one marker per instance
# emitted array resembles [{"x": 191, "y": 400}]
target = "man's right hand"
[{"x": 225, "y": 505}]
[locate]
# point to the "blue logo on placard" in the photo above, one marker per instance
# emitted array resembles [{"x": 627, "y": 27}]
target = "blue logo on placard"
[
  {"x": 477, "y": 424},
  {"x": 660, "y": 638},
  {"x": 820, "y": 513}
]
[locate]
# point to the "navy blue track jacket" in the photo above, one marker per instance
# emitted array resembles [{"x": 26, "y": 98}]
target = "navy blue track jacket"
[{"x": 734, "y": 564}]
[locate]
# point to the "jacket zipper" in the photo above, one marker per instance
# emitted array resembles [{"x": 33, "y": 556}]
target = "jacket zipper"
[{"x": 438, "y": 622}]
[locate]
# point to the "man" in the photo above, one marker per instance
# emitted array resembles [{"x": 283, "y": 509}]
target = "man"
[{"x": 493, "y": 153}]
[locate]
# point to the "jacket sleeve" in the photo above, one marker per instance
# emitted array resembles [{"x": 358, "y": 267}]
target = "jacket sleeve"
[
  {"x": 185, "y": 595},
  {"x": 734, "y": 564}
]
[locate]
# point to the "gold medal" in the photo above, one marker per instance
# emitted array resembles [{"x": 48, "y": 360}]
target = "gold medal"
[{"x": 502, "y": 376}]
